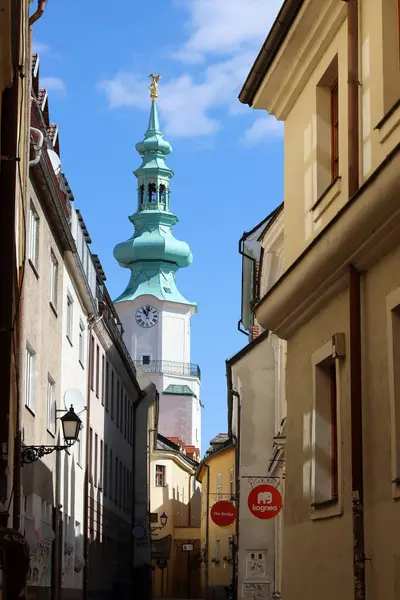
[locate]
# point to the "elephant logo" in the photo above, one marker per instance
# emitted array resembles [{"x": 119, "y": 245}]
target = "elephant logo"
[{"x": 264, "y": 498}]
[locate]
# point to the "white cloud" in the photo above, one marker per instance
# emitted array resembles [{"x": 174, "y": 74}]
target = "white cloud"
[
  {"x": 40, "y": 48},
  {"x": 54, "y": 84},
  {"x": 263, "y": 128},
  {"x": 227, "y": 32}
]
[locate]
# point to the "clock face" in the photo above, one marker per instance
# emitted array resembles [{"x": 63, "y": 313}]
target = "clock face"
[{"x": 147, "y": 316}]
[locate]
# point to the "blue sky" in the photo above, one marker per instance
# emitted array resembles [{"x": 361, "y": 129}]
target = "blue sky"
[{"x": 227, "y": 158}]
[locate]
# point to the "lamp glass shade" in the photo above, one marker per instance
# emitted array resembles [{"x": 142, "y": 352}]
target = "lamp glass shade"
[
  {"x": 163, "y": 519},
  {"x": 71, "y": 425}
]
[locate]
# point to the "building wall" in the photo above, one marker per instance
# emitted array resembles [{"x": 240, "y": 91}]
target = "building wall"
[
  {"x": 219, "y": 574},
  {"x": 178, "y": 498},
  {"x": 42, "y": 332}
]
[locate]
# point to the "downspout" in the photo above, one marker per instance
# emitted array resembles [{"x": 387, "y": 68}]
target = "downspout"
[
  {"x": 38, "y": 12},
  {"x": 207, "y": 553},
  {"x": 37, "y": 145},
  {"x": 357, "y": 461},
  {"x": 236, "y": 437}
]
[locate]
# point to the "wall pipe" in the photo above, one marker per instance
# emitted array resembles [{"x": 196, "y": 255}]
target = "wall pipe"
[
  {"x": 37, "y": 145},
  {"x": 207, "y": 553}
]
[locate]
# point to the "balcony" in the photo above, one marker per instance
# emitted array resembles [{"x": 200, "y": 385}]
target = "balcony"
[{"x": 168, "y": 367}]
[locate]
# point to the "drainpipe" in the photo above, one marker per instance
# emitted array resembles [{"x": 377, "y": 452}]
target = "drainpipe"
[
  {"x": 38, "y": 12},
  {"x": 235, "y": 574},
  {"x": 353, "y": 95},
  {"x": 38, "y": 138},
  {"x": 207, "y": 553},
  {"x": 355, "y": 314},
  {"x": 357, "y": 436}
]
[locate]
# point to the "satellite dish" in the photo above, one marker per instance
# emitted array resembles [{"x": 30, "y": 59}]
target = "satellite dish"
[
  {"x": 55, "y": 161},
  {"x": 74, "y": 396}
]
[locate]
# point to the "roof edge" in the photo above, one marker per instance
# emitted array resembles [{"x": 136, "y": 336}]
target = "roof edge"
[{"x": 269, "y": 50}]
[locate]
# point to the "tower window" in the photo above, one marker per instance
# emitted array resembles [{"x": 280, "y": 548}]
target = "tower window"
[
  {"x": 141, "y": 194},
  {"x": 163, "y": 194},
  {"x": 146, "y": 359},
  {"x": 152, "y": 192}
]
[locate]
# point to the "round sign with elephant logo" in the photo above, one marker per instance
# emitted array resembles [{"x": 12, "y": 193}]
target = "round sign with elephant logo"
[{"x": 265, "y": 502}]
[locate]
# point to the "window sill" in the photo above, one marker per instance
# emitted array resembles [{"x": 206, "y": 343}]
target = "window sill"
[
  {"x": 69, "y": 339},
  {"x": 53, "y": 308},
  {"x": 326, "y": 510},
  {"x": 326, "y": 198},
  {"x": 29, "y": 409},
  {"x": 34, "y": 269},
  {"x": 390, "y": 122}
]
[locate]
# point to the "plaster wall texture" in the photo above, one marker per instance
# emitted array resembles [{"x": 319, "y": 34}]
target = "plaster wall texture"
[
  {"x": 42, "y": 332},
  {"x": 74, "y": 375}
]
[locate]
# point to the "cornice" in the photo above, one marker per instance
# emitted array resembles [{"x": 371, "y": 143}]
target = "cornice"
[
  {"x": 366, "y": 228},
  {"x": 306, "y": 43}
]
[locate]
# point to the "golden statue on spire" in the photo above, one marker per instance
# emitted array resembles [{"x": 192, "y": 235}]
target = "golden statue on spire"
[{"x": 153, "y": 87}]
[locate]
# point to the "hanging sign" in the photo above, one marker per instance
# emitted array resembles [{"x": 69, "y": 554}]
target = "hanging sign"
[
  {"x": 223, "y": 513},
  {"x": 265, "y": 502}
]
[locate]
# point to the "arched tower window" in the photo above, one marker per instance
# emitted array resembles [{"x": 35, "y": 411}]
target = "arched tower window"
[
  {"x": 152, "y": 192},
  {"x": 163, "y": 194},
  {"x": 141, "y": 194}
]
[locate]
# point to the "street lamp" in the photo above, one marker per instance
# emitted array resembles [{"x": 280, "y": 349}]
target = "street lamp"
[
  {"x": 71, "y": 425},
  {"x": 163, "y": 521}
]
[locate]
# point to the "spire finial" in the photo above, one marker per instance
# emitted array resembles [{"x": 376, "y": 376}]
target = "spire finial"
[{"x": 153, "y": 87}]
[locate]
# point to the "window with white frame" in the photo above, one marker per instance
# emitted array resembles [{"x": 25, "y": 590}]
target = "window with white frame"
[
  {"x": 70, "y": 317},
  {"x": 29, "y": 377},
  {"x": 217, "y": 550},
  {"x": 51, "y": 405},
  {"x": 81, "y": 343},
  {"x": 53, "y": 279},
  {"x": 231, "y": 484},
  {"x": 33, "y": 239},
  {"x": 219, "y": 487},
  {"x": 160, "y": 475},
  {"x": 146, "y": 359}
]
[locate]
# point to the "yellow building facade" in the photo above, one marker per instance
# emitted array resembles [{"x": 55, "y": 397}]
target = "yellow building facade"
[
  {"x": 217, "y": 476},
  {"x": 330, "y": 70}
]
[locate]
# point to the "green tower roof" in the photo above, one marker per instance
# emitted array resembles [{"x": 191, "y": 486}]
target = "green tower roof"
[{"x": 152, "y": 254}]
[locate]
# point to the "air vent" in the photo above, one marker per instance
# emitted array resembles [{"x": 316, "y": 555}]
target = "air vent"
[{"x": 167, "y": 290}]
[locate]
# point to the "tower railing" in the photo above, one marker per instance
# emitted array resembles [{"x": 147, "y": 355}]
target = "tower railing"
[{"x": 168, "y": 367}]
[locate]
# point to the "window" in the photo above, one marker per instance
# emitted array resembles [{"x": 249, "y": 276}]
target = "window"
[
  {"x": 101, "y": 465},
  {"x": 163, "y": 194},
  {"x": 79, "y": 450},
  {"x": 327, "y": 131},
  {"x": 219, "y": 487},
  {"x": 81, "y": 343},
  {"x": 103, "y": 383},
  {"x": 97, "y": 370},
  {"x": 96, "y": 441},
  {"x": 325, "y": 433},
  {"x": 160, "y": 475},
  {"x": 107, "y": 384},
  {"x": 105, "y": 482},
  {"x": 230, "y": 547},
  {"x": 33, "y": 240},
  {"x": 141, "y": 194},
  {"x": 110, "y": 483},
  {"x": 116, "y": 477},
  {"x": 70, "y": 317},
  {"x": 53, "y": 280},
  {"x": 334, "y": 130},
  {"x": 120, "y": 491},
  {"x": 112, "y": 393},
  {"x": 146, "y": 359},
  {"x": 152, "y": 192},
  {"x": 218, "y": 550},
  {"x": 91, "y": 455},
  {"x": 393, "y": 328},
  {"x": 30, "y": 376},
  {"x": 231, "y": 484},
  {"x": 51, "y": 405},
  {"x": 91, "y": 365},
  {"x": 117, "y": 420}
]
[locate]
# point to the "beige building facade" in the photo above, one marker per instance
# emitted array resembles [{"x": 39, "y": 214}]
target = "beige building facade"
[
  {"x": 257, "y": 415},
  {"x": 332, "y": 75}
]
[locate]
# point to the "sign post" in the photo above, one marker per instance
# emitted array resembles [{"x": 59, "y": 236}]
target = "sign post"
[{"x": 265, "y": 502}]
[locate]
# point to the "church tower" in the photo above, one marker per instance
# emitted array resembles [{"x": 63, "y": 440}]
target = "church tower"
[{"x": 155, "y": 315}]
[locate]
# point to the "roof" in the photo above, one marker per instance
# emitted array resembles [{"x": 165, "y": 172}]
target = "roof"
[
  {"x": 174, "y": 444},
  {"x": 272, "y": 220},
  {"x": 270, "y": 49},
  {"x": 179, "y": 390},
  {"x": 221, "y": 438},
  {"x": 229, "y": 444}
]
